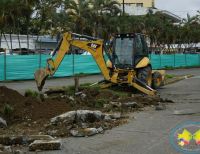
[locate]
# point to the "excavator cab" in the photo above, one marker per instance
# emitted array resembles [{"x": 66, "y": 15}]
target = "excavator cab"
[{"x": 128, "y": 50}]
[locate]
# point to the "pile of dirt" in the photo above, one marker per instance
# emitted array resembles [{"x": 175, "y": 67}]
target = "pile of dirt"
[
  {"x": 28, "y": 108},
  {"x": 30, "y": 115}
]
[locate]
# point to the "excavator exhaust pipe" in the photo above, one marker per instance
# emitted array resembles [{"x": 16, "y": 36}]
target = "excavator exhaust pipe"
[{"x": 40, "y": 77}]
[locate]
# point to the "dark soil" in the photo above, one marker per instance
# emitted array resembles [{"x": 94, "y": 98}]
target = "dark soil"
[
  {"x": 29, "y": 108},
  {"x": 30, "y": 115}
]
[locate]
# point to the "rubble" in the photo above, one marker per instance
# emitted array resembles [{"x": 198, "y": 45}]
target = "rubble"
[
  {"x": 115, "y": 116},
  {"x": 90, "y": 131},
  {"x": 18, "y": 152},
  {"x": 22, "y": 140},
  {"x": 64, "y": 115},
  {"x": 3, "y": 123},
  {"x": 116, "y": 104},
  {"x": 130, "y": 104},
  {"x": 7, "y": 149},
  {"x": 1, "y": 147},
  {"x": 160, "y": 106},
  {"x": 76, "y": 133},
  {"x": 67, "y": 117},
  {"x": 45, "y": 145},
  {"x": 88, "y": 116},
  {"x": 86, "y": 132}
]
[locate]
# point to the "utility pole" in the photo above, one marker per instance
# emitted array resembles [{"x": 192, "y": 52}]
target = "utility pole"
[{"x": 123, "y": 7}]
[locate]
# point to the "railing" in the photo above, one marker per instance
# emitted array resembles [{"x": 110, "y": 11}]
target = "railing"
[{"x": 22, "y": 67}]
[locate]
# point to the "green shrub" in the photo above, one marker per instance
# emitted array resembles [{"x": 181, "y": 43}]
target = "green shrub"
[
  {"x": 31, "y": 93},
  {"x": 100, "y": 103},
  {"x": 8, "y": 110}
]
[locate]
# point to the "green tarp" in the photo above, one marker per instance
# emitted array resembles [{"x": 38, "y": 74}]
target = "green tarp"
[{"x": 21, "y": 67}]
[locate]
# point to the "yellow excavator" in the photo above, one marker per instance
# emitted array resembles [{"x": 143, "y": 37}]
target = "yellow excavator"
[{"x": 122, "y": 61}]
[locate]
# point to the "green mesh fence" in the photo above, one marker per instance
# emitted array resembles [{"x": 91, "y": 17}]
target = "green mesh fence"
[{"x": 22, "y": 67}]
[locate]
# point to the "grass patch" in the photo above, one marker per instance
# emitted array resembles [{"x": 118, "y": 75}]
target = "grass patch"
[
  {"x": 169, "y": 76},
  {"x": 31, "y": 93},
  {"x": 100, "y": 103},
  {"x": 7, "y": 110}
]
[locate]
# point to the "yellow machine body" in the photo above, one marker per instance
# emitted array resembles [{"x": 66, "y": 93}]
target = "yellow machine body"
[{"x": 95, "y": 46}]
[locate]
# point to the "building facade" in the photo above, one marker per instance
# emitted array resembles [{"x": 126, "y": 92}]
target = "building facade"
[{"x": 138, "y": 3}]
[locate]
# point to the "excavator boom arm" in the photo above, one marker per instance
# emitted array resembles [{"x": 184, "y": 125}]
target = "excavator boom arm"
[{"x": 90, "y": 44}]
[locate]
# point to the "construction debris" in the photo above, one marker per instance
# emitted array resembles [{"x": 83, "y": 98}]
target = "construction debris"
[
  {"x": 45, "y": 145},
  {"x": 64, "y": 114},
  {"x": 160, "y": 106},
  {"x": 3, "y": 123}
]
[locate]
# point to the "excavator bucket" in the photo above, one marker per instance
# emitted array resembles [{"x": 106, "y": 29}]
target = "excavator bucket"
[{"x": 40, "y": 77}]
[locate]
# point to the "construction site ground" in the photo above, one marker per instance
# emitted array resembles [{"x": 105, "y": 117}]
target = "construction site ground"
[{"x": 145, "y": 132}]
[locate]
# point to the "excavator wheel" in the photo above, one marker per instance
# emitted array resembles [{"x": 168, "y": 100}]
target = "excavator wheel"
[
  {"x": 157, "y": 80},
  {"x": 145, "y": 75}
]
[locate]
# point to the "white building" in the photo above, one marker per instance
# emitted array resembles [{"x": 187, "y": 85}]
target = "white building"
[{"x": 33, "y": 42}]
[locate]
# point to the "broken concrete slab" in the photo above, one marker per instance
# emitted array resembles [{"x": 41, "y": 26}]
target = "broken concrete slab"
[
  {"x": 107, "y": 118},
  {"x": 130, "y": 104},
  {"x": 88, "y": 116},
  {"x": 86, "y": 132},
  {"x": 67, "y": 117},
  {"x": 115, "y": 116},
  {"x": 22, "y": 140},
  {"x": 100, "y": 130},
  {"x": 90, "y": 131},
  {"x": 32, "y": 138},
  {"x": 76, "y": 133},
  {"x": 45, "y": 145}
]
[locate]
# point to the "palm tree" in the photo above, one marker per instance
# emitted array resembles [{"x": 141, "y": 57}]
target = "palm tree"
[
  {"x": 102, "y": 10},
  {"x": 79, "y": 15}
]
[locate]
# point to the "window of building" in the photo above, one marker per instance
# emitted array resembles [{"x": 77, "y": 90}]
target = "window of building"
[{"x": 139, "y": 4}]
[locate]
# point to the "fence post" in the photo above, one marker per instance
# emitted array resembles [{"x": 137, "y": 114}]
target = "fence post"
[
  {"x": 199, "y": 59},
  {"x": 174, "y": 60},
  {"x": 185, "y": 59},
  {"x": 5, "y": 65},
  {"x": 160, "y": 61},
  {"x": 40, "y": 56},
  {"x": 73, "y": 63}
]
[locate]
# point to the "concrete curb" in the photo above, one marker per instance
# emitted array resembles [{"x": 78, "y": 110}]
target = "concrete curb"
[{"x": 176, "y": 79}]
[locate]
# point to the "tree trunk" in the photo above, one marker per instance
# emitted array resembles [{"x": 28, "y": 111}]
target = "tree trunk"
[
  {"x": 0, "y": 38},
  {"x": 27, "y": 40},
  {"x": 19, "y": 42},
  {"x": 11, "y": 42},
  {"x": 6, "y": 41},
  {"x": 18, "y": 33}
]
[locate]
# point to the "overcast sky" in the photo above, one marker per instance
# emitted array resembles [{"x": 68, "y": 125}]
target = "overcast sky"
[{"x": 179, "y": 7}]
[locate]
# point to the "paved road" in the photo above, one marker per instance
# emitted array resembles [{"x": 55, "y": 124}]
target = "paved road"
[
  {"x": 21, "y": 86},
  {"x": 147, "y": 132}
]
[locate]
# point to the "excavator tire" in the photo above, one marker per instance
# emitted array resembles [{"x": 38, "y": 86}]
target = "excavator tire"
[
  {"x": 156, "y": 80},
  {"x": 145, "y": 75}
]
